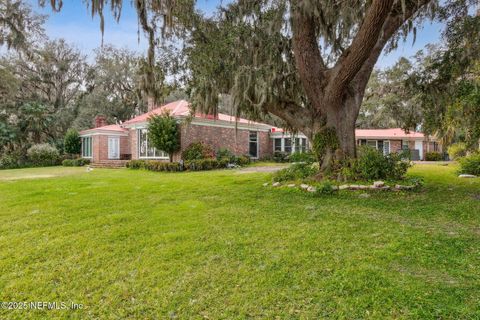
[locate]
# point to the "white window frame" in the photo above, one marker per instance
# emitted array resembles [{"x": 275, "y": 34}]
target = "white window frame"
[
  {"x": 389, "y": 147},
  {"x": 90, "y": 138},
  {"x": 257, "y": 142},
  {"x": 376, "y": 143},
  {"x": 139, "y": 132}
]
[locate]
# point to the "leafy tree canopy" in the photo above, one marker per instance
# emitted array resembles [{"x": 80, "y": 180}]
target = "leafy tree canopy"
[{"x": 164, "y": 133}]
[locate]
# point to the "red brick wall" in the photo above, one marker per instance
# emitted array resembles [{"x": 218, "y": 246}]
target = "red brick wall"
[
  {"x": 395, "y": 146},
  {"x": 132, "y": 134},
  {"x": 100, "y": 147},
  {"x": 237, "y": 141}
]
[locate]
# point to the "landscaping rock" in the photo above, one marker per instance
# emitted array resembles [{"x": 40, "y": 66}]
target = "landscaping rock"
[
  {"x": 311, "y": 189},
  {"x": 467, "y": 176},
  {"x": 276, "y": 184},
  {"x": 291, "y": 185},
  {"x": 400, "y": 187},
  {"x": 304, "y": 186},
  {"x": 343, "y": 187},
  {"x": 354, "y": 187},
  {"x": 265, "y": 184},
  {"x": 378, "y": 184}
]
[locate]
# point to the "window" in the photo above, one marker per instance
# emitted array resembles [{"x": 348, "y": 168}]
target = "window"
[
  {"x": 435, "y": 146},
  {"x": 87, "y": 147},
  {"x": 372, "y": 143},
  {"x": 288, "y": 145},
  {"x": 405, "y": 145},
  {"x": 386, "y": 147},
  {"x": 146, "y": 151},
  {"x": 253, "y": 144},
  {"x": 277, "y": 146}
]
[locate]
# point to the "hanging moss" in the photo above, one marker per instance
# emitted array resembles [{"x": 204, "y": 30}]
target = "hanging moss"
[{"x": 325, "y": 140}]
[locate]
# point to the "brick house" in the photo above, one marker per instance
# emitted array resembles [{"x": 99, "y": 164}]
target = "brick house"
[
  {"x": 114, "y": 144},
  {"x": 117, "y": 143}
]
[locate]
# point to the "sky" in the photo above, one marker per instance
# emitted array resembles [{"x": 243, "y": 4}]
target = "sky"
[{"x": 75, "y": 24}]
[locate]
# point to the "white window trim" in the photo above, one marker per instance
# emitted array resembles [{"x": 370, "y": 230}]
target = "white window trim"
[
  {"x": 389, "y": 147},
  {"x": 147, "y": 157},
  {"x": 91, "y": 147},
  {"x": 258, "y": 144},
  {"x": 376, "y": 143}
]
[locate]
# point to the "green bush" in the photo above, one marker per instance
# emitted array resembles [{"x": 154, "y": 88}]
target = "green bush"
[
  {"x": 136, "y": 164},
  {"x": 296, "y": 171},
  {"x": 155, "y": 165},
  {"x": 190, "y": 165},
  {"x": 470, "y": 164},
  {"x": 457, "y": 150},
  {"x": 43, "y": 155},
  {"x": 197, "y": 151},
  {"x": 307, "y": 157},
  {"x": 72, "y": 143},
  {"x": 80, "y": 162},
  {"x": 12, "y": 160},
  {"x": 326, "y": 188},
  {"x": 204, "y": 164},
  {"x": 242, "y": 160},
  {"x": 373, "y": 165},
  {"x": 224, "y": 153},
  {"x": 279, "y": 156},
  {"x": 433, "y": 156}
]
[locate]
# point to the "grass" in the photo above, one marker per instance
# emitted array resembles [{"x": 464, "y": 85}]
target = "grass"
[{"x": 142, "y": 245}]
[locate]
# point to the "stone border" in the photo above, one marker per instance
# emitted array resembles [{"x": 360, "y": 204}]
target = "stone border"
[{"x": 377, "y": 185}]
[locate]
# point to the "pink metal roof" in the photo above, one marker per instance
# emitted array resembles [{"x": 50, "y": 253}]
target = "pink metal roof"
[
  {"x": 392, "y": 133},
  {"x": 111, "y": 127},
  {"x": 181, "y": 108}
]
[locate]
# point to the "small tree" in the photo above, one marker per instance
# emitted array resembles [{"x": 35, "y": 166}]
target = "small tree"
[
  {"x": 163, "y": 133},
  {"x": 72, "y": 142}
]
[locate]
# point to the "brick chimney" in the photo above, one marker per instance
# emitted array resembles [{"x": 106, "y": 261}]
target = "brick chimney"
[{"x": 100, "y": 121}]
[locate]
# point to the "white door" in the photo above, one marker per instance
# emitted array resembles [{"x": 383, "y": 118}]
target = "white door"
[
  {"x": 113, "y": 148},
  {"x": 419, "y": 147}
]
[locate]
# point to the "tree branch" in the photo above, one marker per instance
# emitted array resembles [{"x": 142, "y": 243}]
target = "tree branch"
[
  {"x": 391, "y": 25},
  {"x": 351, "y": 61},
  {"x": 308, "y": 59}
]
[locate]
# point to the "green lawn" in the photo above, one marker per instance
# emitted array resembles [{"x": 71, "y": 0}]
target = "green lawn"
[{"x": 144, "y": 245}]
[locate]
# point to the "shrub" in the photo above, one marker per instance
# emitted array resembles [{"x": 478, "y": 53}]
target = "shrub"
[
  {"x": 470, "y": 164},
  {"x": 296, "y": 171},
  {"x": 197, "y": 151},
  {"x": 12, "y": 160},
  {"x": 155, "y": 165},
  {"x": 326, "y": 188},
  {"x": 203, "y": 164},
  {"x": 433, "y": 156},
  {"x": 72, "y": 143},
  {"x": 43, "y": 155},
  {"x": 307, "y": 157},
  {"x": 457, "y": 150},
  {"x": 136, "y": 164},
  {"x": 80, "y": 162},
  {"x": 373, "y": 165},
  {"x": 224, "y": 153},
  {"x": 279, "y": 156},
  {"x": 242, "y": 160}
]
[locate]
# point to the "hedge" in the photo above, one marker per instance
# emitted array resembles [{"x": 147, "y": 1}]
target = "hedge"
[{"x": 190, "y": 165}]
